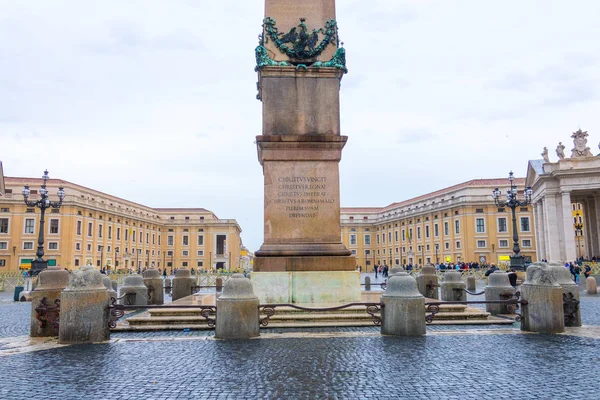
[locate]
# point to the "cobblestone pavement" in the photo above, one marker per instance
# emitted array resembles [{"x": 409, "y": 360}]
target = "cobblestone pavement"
[
  {"x": 432, "y": 367},
  {"x": 452, "y": 362}
]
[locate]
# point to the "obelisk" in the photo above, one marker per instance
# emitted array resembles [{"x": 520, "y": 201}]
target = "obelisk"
[{"x": 300, "y": 64}]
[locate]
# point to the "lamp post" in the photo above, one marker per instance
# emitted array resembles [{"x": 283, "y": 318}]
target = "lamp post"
[
  {"x": 114, "y": 269},
  {"x": 43, "y": 203},
  {"x": 437, "y": 247},
  {"x": 517, "y": 261}
]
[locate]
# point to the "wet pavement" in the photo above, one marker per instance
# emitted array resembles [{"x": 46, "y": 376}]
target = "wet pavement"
[{"x": 450, "y": 362}]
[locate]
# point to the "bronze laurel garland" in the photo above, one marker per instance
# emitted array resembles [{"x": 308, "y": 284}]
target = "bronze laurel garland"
[{"x": 302, "y": 42}]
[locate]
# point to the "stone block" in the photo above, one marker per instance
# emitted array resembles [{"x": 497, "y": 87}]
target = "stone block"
[
  {"x": 591, "y": 285},
  {"x": 570, "y": 290},
  {"x": 427, "y": 283},
  {"x": 543, "y": 312},
  {"x": 498, "y": 288},
  {"x": 182, "y": 284},
  {"x": 154, "y": 283},
  {"x": 453, "y": 280},
  {"x": 108, "y": 284},
  {"x": 237, "y": 310},
  {"x": 134, "y": 284},
  {"x": 84, "y": 308},
  {"x": 403, "y": 312},
  {"x": 471, "y": 283},
  {"x": 51, "y": 283}
]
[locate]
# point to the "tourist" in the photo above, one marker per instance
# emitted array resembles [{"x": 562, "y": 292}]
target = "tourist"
[
  {"x": 165, "y": 273},
  {"x": 490, "y": 270},
  {"x": 512, "y": 277},
  {"x": 376, "y": 268},
  {"x": 587, "y": 271},
  {"x": 576, "y": 272}
]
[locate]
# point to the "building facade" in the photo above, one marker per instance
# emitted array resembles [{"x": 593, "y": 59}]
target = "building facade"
[
  {"x": 96, "y": 228},
  {"x": 457, "y": 224}
]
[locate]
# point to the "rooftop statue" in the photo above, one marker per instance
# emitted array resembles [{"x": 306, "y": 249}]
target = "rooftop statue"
[
  {"x": 580, "y": 142},
  {"x": 560, "y": 151},
  {"x": 545, "y": 155}
]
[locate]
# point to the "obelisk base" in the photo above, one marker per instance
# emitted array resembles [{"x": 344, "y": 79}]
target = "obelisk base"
[
  {"x": 307, "y": 287},
  {"x": 304, "y": 263}
]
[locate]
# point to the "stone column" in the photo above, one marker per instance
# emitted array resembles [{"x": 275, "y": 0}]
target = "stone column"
[
  {"x": 594, "y": 227},
  {"x": 544, "y": 311},
  {"x": 182, "y": 284},
  {"x": 552, "y": 235},
  {"x": 570, "y": 253},
  {"x": 154, "y": 283},
  {"x": 587, "y": 221},
  {"x": 403, "y": 312},
  {"x": 237, "y": 310},
  {"x": 453, "y": 280},
  {"x": 540, "y": 236},
  {"x": 427, "y": 283},
  {"x": 134, "y": 284},
  {"x": 51, "y": 282},
  {"x": 570, "y": 293},
  {"x": 84, "y": 308},
  {"x": 497, "y": 289}
]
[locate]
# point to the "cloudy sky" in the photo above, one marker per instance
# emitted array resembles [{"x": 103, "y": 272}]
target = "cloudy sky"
[{"x": 154, "y": 101}]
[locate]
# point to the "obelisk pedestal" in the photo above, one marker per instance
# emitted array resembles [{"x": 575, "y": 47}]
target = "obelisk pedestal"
[{"x": 300, "y": 66}]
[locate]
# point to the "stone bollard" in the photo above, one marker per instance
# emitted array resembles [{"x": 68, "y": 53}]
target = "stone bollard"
[
  {"x": 396, "y": 270},
  {"x": 108, "y": 284},
  {"x": 134, "y": 284},
  {"x": 543, "y": 312},
  {"x": 182, "y": 284},
  {"x": 453, "y": 280},
  {"x": 471, "y": 283},
  {"x": 237, "y": 310},
  {"x": 168, "y": 286},
  {"x": 403, "y": 312},
  {"x": 570, "y": 293},
  {"x": 115, "y": 285},
  {"x": 498, "y": 288},
  {"x": 219, "y": 284},
  {"x": 52, "y": 281},
  {"x": 368, "y": 283},
  {"x": 84, "y": 308},
  {"x": 427, "y": 282},
  {"x": 591, "y": 286},
  {"x": 154, "y": 283}
]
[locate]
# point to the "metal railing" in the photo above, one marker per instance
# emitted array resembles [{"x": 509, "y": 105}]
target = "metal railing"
[
  {"x": 512, "y": 304},
  {"x": 269, "y": 310}
]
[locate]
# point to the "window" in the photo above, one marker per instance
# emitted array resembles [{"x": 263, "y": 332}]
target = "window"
[
  {"x": 159, "y": 240},
  {"x": 3, "y": 225},
  {"x": 353, "y": 252},
  {"x": 367, "y": 239},
  {"x": 457, "y": 227},
  {"x": 427, "y": 231},
  {"x": 458, "y": 245},
  {"x": 52, "y": 245},
  {"x": 185, "y": 253},
  {"x": 185, "y": 240},
  {"x": 169, "y": 240},
  {"x": 396, "y": 235},
  {"x": 447, "y": 245},
  {"x": 418, "y": 232},
  {"x": 78, "y": 231},
  {"x": 89, "y": 247},
  {"x": 110, "y": 232},
  {"x": 4, "y": 209},
  {"x": 403, "y": 235},
  {"x": 141, "y": 237},
  {"x": 479, "y": 225},
  {"x": 77, "y": 246},
  {"x": 525, "y": 224},
  {"x": 147, "y": 237},
  {"x": 126, "y": 235},
  {"x": 108, "y": 248},
  {"x": 200, "y": 253},
  {"x": 153, "y": 238},
  {"x": 100, "y": 247},
  {"x": 353, "y": 240},
  {"x": 133, "y": 236},
  {"x": 573, "y": 206},
  {"x": 481, "y": 244},
  {"x": 99, "y": 230},
  {"x": 200, "y": 263},
  {"x": 29, "y": 225},
  {"x": 479, "y": 210},
  {"x": 89, "y": 231},
  {"x": 367, "y": 253},
  {"x": 3, "y": 245},
  {"x": 54, "y": 226},
  {"x": 526, "y": 242},
  {"x": 377, "y": 237},
  {"x": 502, "y": 226},
  {"x": 436, "y": 231},
  {"x": 383, "y": 238},
  {"x": 446, "y": 228},
  {"x": 2, "y": 263},
  {"x": 27, "y": 245},
  {"x": 184, "y": 264},
  {"x": 200, "y": 240}
]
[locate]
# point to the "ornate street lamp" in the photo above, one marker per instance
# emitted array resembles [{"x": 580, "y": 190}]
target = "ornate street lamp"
[
  {"x": 517, "y": 261},
  {"x": 43, "y": 203},
  {"x": 578, "y": 234}
]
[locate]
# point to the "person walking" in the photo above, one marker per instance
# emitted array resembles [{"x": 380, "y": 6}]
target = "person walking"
[{"x": 376, "y": 270}]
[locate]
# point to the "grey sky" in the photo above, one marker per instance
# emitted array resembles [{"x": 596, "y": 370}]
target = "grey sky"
[{"x": 154, "y": 101}]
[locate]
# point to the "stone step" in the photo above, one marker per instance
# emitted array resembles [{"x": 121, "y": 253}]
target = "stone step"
[{"x": 177, "y": 320}]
